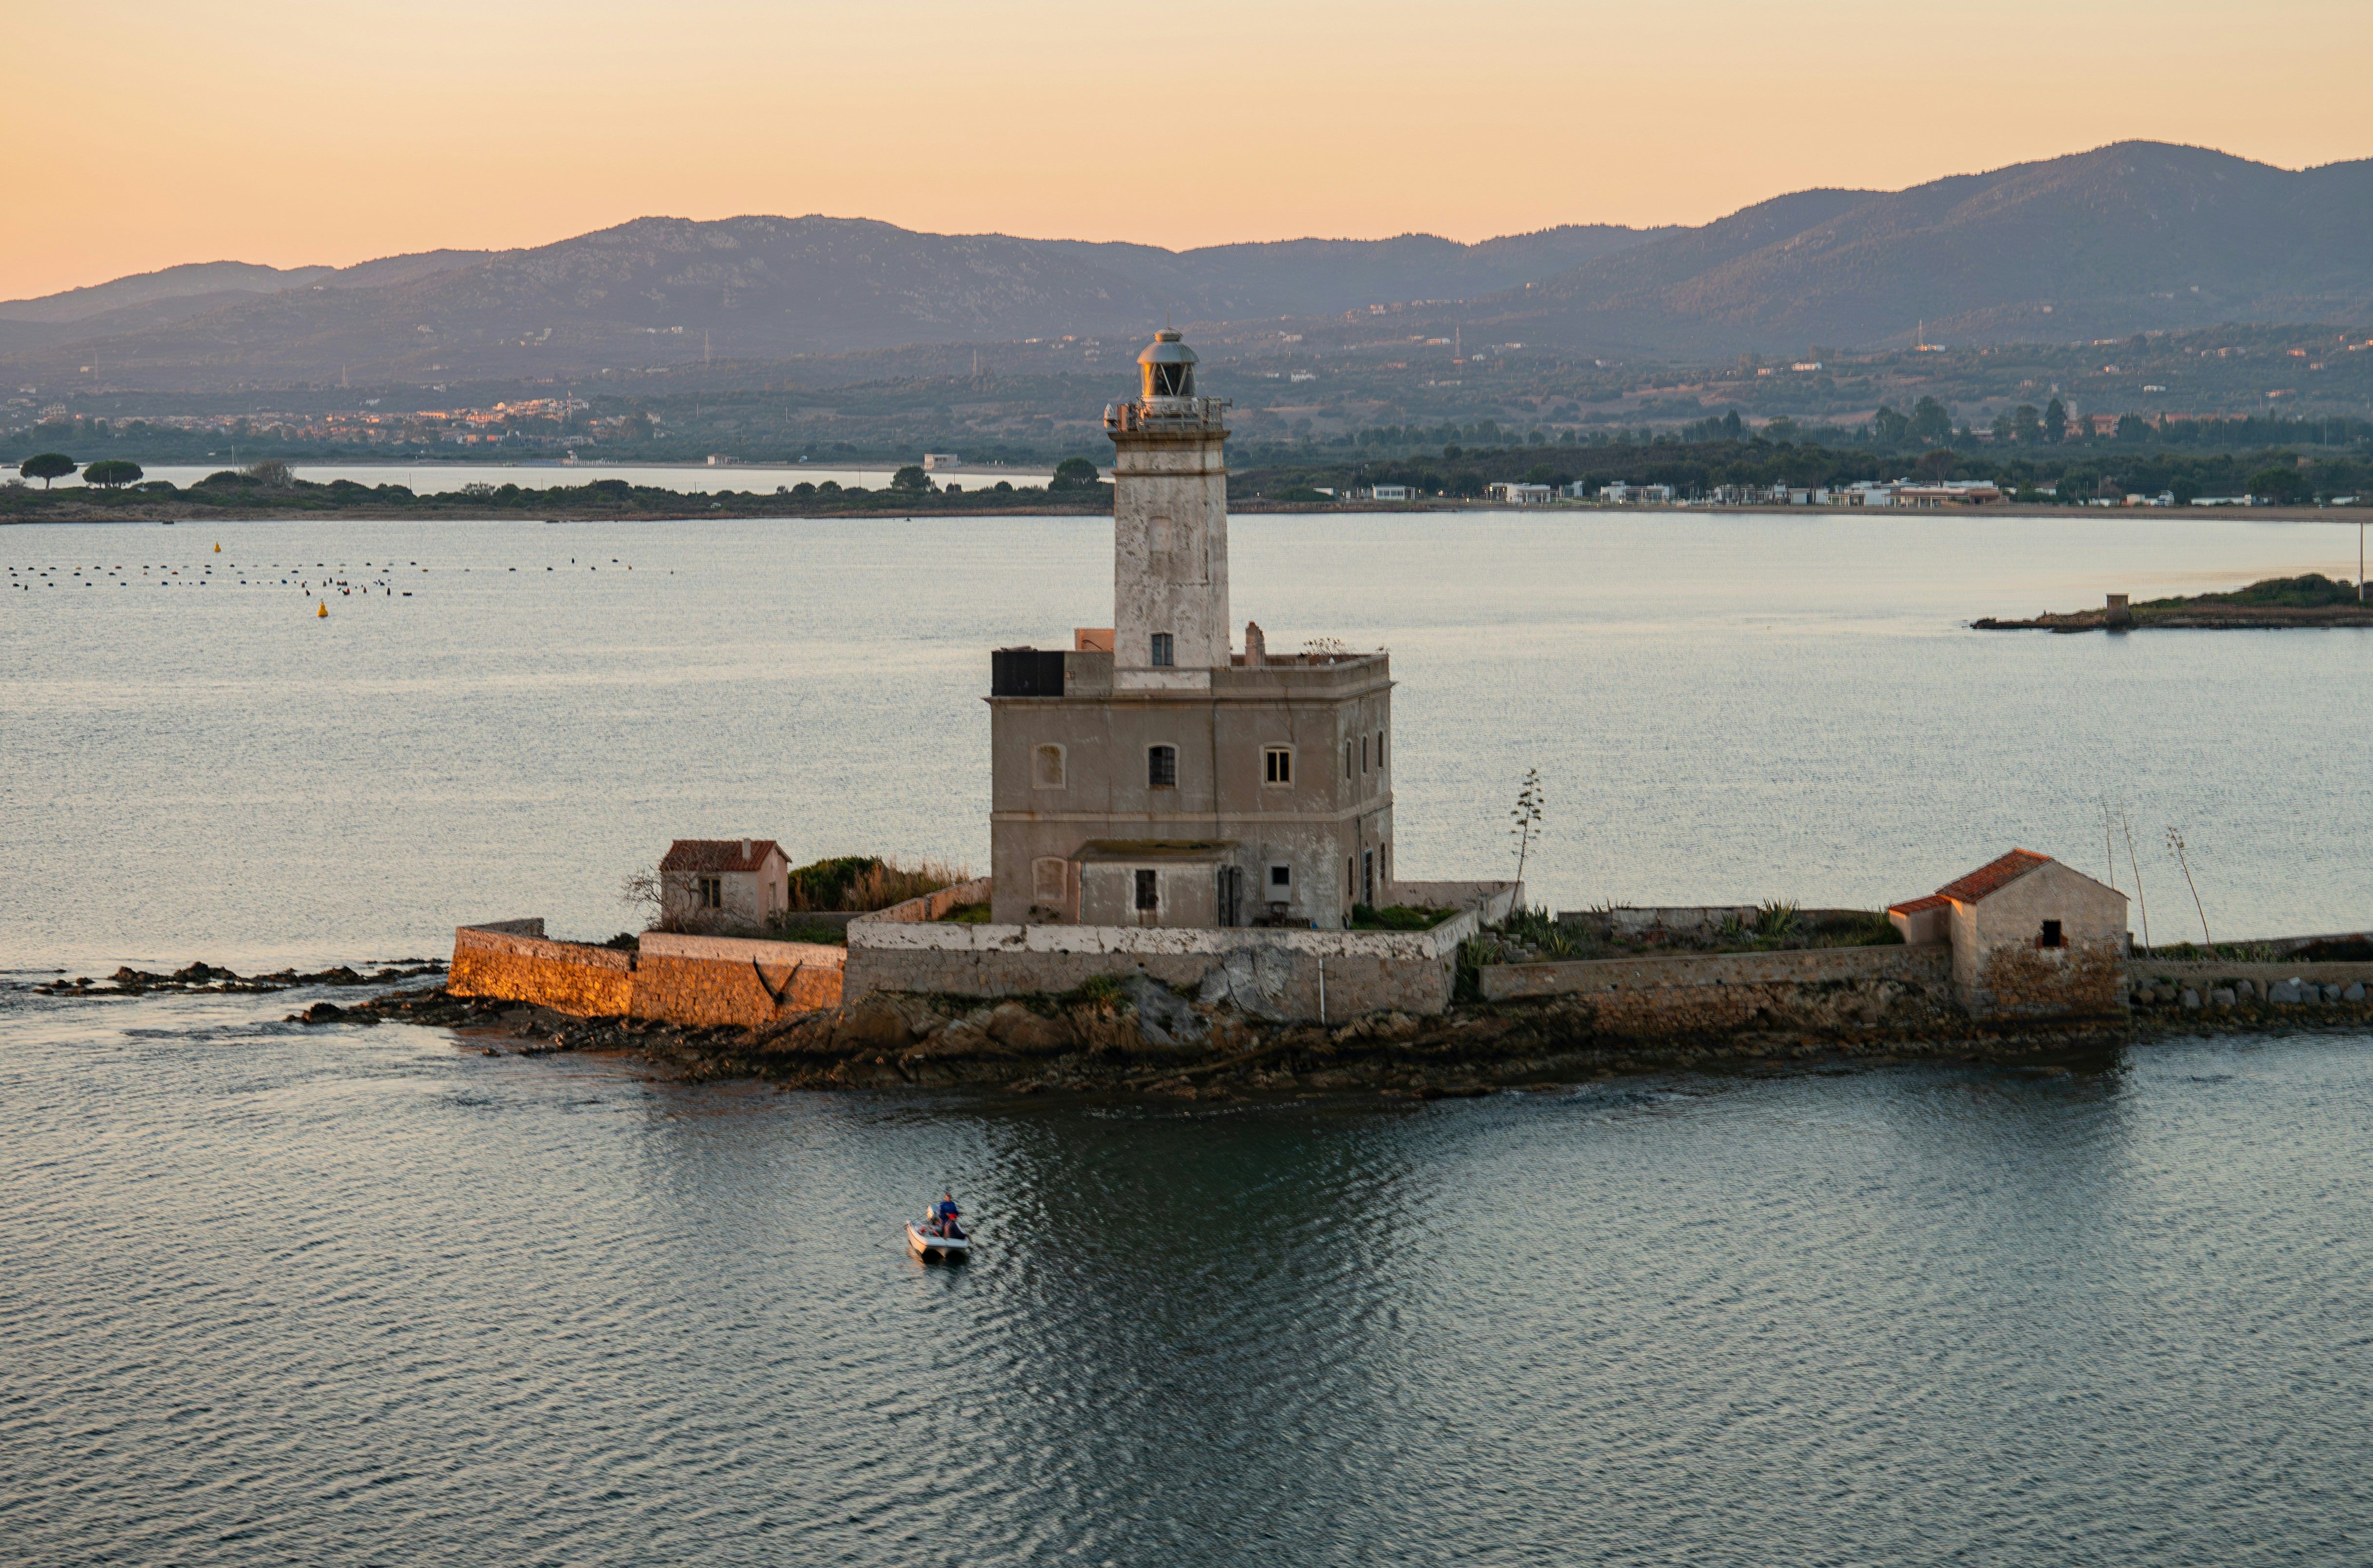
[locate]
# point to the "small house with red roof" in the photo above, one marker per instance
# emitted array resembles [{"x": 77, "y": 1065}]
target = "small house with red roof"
[
  {"x": 2030, "y": 938},
  {"x": 714, "y": 884}
]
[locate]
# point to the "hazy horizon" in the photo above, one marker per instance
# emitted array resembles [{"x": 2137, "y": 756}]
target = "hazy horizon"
[{"x": 325, "y": 138}]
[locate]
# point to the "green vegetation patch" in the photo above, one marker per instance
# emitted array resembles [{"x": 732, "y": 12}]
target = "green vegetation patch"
[
  {"x": 2310, "y": 593},
  {"x": 1396, "y": 918}
]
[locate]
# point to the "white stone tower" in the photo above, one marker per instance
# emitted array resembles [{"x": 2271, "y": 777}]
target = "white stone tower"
[{"x": 1170, "y": 526}]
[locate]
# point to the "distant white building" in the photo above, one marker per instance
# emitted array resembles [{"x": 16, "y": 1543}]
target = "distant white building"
[
  {"x": 1514, "y": 493},
  {"x": 941, "y": 462},
  {"x": 1619, "y": 493},
  {"x": 1389, "y": 493}
]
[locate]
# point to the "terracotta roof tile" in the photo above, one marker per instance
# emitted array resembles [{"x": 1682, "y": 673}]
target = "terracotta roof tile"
[
  {"x": 715, "y": 855},
  {"x": 1919, "y": 906},
  {"x": 1991, "y": 875}
]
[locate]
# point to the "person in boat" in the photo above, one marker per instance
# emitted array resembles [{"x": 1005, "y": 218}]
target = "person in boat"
[{"x": 944, "y": 1216}]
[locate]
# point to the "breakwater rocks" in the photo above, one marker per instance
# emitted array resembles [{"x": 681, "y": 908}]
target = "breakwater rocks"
[
  {"x": 1138, "y": 1037},
  {"x": 206, "y": 978}
]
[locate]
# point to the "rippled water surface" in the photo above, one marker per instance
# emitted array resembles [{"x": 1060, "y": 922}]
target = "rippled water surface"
[
  {"x": 355, "y": 1296},
  {"x": 1724, "y": 708},
  {"x": 345, "y": 1295}
]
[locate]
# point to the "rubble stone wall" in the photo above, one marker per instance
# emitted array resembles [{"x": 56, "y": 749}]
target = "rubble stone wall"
[
  {"x": 567, "y": 976},
  {"x": 697, "y": 981},
  {"x": 1827, "y": 988},
  {"x": 1267, "y": 972}
]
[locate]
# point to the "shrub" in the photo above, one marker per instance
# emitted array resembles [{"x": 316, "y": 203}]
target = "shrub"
[
  {"x": 863, "y": 882},
  {"x": 112, "y": 472},
  {"x": 1104, "y": 992},
  {"x": 1075, "y": 474}
]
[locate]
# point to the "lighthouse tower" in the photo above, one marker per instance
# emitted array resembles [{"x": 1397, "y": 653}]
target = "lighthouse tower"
[
  {"x": 1149, "y": 775},
  {"x": 1170, "y": 526}
]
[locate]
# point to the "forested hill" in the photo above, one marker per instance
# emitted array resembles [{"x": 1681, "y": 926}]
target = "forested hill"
[
  {"x": 662, "y": 291},
  {"x": 2137, "y": 237}
]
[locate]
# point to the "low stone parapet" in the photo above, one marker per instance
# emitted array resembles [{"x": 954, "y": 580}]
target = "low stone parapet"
[
  {"x": 1821, "y": 988},
  {"x": 1325, "y": 976},
  {"x": 567, "y": 976},
  {"x": 706, "y": 981},
  {"x": 697, "y": 981}
]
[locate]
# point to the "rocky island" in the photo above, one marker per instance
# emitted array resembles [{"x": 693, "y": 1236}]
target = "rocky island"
[{"x": 2275, "y": 601}]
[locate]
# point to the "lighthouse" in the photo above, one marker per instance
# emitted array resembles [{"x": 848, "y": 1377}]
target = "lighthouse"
[{"x": 1153, "y": 775}]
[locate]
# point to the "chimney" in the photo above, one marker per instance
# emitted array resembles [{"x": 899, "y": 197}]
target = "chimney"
[
  {"x": 1256, "y": 645},
  {"x": 745, "y": 851}
]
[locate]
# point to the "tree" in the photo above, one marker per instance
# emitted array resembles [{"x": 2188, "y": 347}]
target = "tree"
[
  {"x": 912, "y": 480},
  {"x": 1931, "y": 422},
  {"x": 271, "y": 472},
  {"x": 109, "y": 473},
  {"x": 1732, "y": 425},
  {"x": 2279, "y": 485},
  {"x": 46, "y": 466},
  {"x": 1937, "y": 464},
  {"x": 2055, "y": 423},
  {"x": 2026, "y": 424},
  {"x": 1075, "y": 474},
  {"x": 1887, "y": 425}
]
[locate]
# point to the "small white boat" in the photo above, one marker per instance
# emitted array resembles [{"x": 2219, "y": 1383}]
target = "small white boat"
[{"x": 946, "y": 1249}]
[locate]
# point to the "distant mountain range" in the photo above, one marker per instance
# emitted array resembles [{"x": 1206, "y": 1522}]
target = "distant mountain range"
[
  {"x": 663, "y": 290},
  {"x": 2123, "y": 238}
]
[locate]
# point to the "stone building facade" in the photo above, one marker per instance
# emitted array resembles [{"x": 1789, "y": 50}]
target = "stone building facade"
[
  {"x": 1153, "y": 775},
  {"x": 723, "y": 884},
  {"x": 2030, "y": 937}
]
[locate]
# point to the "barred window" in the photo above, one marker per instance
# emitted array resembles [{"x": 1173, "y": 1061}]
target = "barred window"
[
  {"x": 1277, "y": 765},
  {"x": 1161, "y": 767},
  {"x": 1148, "y": 890}
]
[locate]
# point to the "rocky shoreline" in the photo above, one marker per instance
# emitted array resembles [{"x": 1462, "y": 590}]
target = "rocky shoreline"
[
  {"x": 1142, "y": 1040},
  {"x": 203, "y": 976}
]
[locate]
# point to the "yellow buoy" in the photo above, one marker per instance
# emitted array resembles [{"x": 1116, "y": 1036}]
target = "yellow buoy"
[
  {"x": 218, "y": 549},
  {"x": 324, "y": 611}
]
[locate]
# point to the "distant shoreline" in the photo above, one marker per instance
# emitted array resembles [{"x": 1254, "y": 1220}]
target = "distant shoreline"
[{"x": 70, "y": 506}]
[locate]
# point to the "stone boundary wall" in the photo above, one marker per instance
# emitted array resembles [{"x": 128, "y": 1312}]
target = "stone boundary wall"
[
  {"x": 1631, "y": 920},
  {"x": 699, "y": 981},
  {"x": 929, "y": 906},
  {"x": 567, "y": 976},
  {"x": 1287, "y": 975},
  {"x": 2195, "y": 972},
  {"x": 713, "y": 981},
  {"x": 1821, "y": 988},
  {"x": 1492, "y": 900}
]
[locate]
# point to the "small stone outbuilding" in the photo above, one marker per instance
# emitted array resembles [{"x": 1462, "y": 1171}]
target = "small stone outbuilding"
[
  {"x": 709, "y": 884},
  {"x": 2030, "y": 938}
]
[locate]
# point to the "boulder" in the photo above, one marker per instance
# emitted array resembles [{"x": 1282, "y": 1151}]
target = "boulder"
[
  {"x": 1258, "y": 982},
  {"x": 2356, "y": 992},
  {"x": 873, "y": 1024},
  {"x": 1017, "y": 1028},
  {"x": 1163, "y": 1017},
  {"x": 2190, "y": 1000},
  {"x": 2222, "y": 997},
  {"x": 2284, "y": 991},
  {"x": 2331, "y": 993}
]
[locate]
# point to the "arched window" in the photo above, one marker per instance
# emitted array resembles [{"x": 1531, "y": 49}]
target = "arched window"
[
  {"x": 1161, "y": 767},
  {"x": 1050, "y": 881},
  {"x": 1047, "y": 767}
]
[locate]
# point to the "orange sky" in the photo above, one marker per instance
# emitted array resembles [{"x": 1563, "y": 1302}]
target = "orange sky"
[{"x": 150, "y": 131}]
